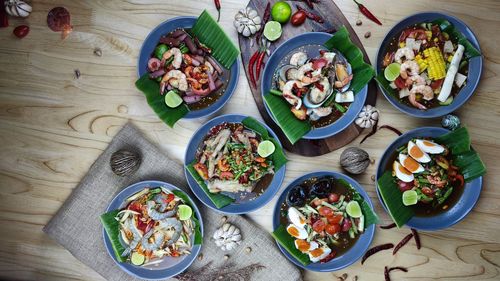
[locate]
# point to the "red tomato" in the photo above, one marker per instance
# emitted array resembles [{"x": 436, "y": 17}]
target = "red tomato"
[
  {"x": 144, "y": 227},
  {"x": 325, "y": 211},
  {"x": 169, "y": 198},
  {"x": 333, "y": 197},
  {"x": 319, "y": 226},
  {"x": 335, "y": 219},
  {"x": 21, "y": 31},
  {"x": 135, "y": 206},
  {"x": 332, "y": 228},
  {"x": 400, "y": 83}
]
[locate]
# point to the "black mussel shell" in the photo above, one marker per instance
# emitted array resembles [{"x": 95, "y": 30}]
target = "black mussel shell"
[
  {"x": 322, "y": 188},
  {"x": 296, "y": 196}
]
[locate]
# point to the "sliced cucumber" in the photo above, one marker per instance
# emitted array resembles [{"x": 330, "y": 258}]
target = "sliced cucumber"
[
  {"x": 448, "y": 101},
  {"x": 137, "y": 259}
]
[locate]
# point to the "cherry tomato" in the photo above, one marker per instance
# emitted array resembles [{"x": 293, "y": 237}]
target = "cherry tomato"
[
  {"x": 332, "y": 228},
  {"x": 169, "y": 198},
  {"x": 21, "y": 31},
  {"x": 135, "y": 206},
  {"x": 325, "y": 211},
  {"x": 319, "y": 226},
  {"x": 335, "y": 219},
  {"x": 333, "y": 197},
  {"x": 298, "y": 18},
  {"x": 346, "y": 225}
]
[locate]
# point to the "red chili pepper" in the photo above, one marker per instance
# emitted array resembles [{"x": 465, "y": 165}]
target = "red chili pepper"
[
  {"x": 260, "y": 62},
  {"x": 251, "y": 63},
  {"x": 315, "y": 17},
  {"x": 4, "y": 20},
  {"x": 367, "y": 13},
  {"x": 217, "y": 6}
]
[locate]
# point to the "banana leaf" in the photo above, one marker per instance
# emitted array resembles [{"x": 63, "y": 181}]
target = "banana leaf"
[
  {"x": 458, "y": 141},
  {"x": 392, "y": 197},
  {"x": 112, "y": 228},
  {"x": 288, "y": 242},
  {"x": 278, "y": 157},
  {"x": 469, "y": 50},
  {"x": 382, "y": 82},
  {"x": 198, "y": 237},
  {"x": 210, "y": 33},
  {"x": 370, "y": 215},
  {"x": 151, "y": 89},
  {"x": 219, "y": 200}
]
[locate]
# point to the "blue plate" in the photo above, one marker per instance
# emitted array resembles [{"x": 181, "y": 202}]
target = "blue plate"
[
  {"x": 170, "y": 267},
  {"x": 475, "y": 65},
  {"x": 288, "y": 47},
  {"x": 454, "y": 214},
  {"x": 235, "y": 208},
  {"x": 349, "y": 257},
  {"x": 150, "y": 44}
]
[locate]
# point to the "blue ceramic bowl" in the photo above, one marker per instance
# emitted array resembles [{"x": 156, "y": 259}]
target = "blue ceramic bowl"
[
  {"x": 151, "y": 273},
  {"x": 289, "y": 46},
  {"x": 235, "y": 208},
  {"x": 454, "y": 214},
  {"x": 475, "y": 65},
  {"x": 150, "y": 44},
  {"x": 349, "y": 257}
]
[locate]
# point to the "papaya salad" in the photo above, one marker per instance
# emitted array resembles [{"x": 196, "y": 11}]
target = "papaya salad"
[
  {"x": 425, "y": 66},
  {"x": 186, "y": 71}
]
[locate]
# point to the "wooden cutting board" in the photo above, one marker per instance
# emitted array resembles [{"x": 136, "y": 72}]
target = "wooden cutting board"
[{"x": 334, "y": 19}]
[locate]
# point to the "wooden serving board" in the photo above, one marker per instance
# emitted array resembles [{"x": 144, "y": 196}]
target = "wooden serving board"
[{"x": 334, "y": 19}]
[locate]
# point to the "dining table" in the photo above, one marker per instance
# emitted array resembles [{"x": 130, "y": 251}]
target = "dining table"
[{"x": 63, "y": 100}]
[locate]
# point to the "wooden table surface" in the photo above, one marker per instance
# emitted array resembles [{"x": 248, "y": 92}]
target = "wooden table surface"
[{"x": 53, "y": 126}]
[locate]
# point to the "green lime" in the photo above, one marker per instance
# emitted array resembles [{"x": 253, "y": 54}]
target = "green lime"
[
  {"x": 353, "y": 209},
  {"x": 265, "y": 148},
  {"x": 410, "y": 197},
  {"x": 272, "y": 30},
  {"x": 185, "y": 212},
  {"x": 137, "y": 259},
  {"x": 281, "y": 11},
  {"x": 391, "y": 72},
  {"x": 172, "y": 99}
]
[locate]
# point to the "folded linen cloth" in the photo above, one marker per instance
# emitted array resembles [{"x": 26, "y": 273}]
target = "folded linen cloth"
[{"x": 76, "y": 225}]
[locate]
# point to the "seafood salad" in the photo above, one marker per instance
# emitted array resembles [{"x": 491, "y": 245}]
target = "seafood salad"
[
  {"x": 426, "y": 176},
  {"x": 186, "y": 71},
  {"x": 317, "y": 88},
  {"x": 155, "y": 223},
  {"x": 231, "y": 159},
  {"x": 425, "y": 66},
  {"x": 323, "y": 217}
]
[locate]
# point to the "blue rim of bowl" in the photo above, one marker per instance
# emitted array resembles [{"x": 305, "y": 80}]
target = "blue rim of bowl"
[
  {"x": 137, "y": 271},
  {"x": 475, "y": 64},
  {"x": 186, "y": 22},
  {"x": 292, "y": 44},
  {"x": 354, "y": 253},
  {"x": 442, "y": 220},
  {"x": 235, "y": 209}
]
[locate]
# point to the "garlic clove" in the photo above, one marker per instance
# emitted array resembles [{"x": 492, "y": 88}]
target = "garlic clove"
[
  {"x": 252, "y": 14},
  {"x": 11, "y": 10},
  {"x": 257, "y": 20},
  {"x": 359, "y": 121},
  {"x": 226, "y": 226},
  {"x": 241, "y": 27},
  {"x": 374, "y": 115},
  {"x": 246, "y": 31},
  {"x": 252, "y": 28}
]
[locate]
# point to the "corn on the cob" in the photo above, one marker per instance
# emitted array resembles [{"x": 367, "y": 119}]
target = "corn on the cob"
[
  {"x": 422, "y": 63},
  {"x": 429, "y": 34},
  {"x": 436, "y": 66}
]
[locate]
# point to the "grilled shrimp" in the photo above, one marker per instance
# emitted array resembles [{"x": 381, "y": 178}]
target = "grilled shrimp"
[
  {"x": 175, "y": 78},
  {"x": 405, "y": 53},
  {"x": 409, "y": 68},
  {"x": 176, "y": 63},
  {"x": 289, "y": 96}
]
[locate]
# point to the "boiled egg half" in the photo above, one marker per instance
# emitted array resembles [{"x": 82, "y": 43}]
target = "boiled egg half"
[
  {"x": 296, "y": 217},
  {"x": 401, "y": 172},
  {"x": 297, "y": 232},
  {"x": 318, "y": 254},
  {"x": 416, "y": 153},
  {"x": 304, "y": 246},
  {"x": 410, "y": 164},
  {"x": 429, "y": 146}
]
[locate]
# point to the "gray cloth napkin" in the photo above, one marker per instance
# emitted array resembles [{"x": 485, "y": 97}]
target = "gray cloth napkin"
[{"x": 76, "y": 225}]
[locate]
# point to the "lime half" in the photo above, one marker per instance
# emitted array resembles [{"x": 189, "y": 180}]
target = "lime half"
[
  {"x": 265, "y": 148},
  {"x": 391, "y": 72},
  {"x": 137, "y": 259},
  {"x": 410, "y": 197},
  {"x": 353, "y": 209},
  {"x": 281, "y": 11},
  {"x": 185, "y": 212},
  {"x": 172, "y": 99},
  {"x": 272, "y": 30}
]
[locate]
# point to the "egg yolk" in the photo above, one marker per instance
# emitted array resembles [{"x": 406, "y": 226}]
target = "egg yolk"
[
  {"x": 303, "y": 245},
  {"x": 293, "y": 231},
  {"x": 415, "y": 152},
  {"x": 316, "y": 252},
  {"x": 410, "y": 164},
  {"x": 428, "y": 143},
  {"x": 404, "y": 170}
]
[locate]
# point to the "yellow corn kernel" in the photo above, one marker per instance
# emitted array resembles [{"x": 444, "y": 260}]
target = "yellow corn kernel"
[
  {"x": 436, "y": 65},
  {"x": 429, "y": 34},
  {"x": 402, "y": 44},
  {"x": 422, "y": 64}
]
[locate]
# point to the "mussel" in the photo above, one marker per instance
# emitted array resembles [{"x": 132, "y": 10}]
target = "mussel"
[
  {"x": 296, "y": 196},
  {"x": 322, "y": 187}
]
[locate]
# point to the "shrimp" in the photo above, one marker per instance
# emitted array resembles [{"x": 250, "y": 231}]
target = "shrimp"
[
  {"x": 425, "y": 90},
  {"x": 306, "y": 80},
  {"x": 415, "y": 80},
  {"x": 129, "y": 225},
  {"x": 174, "y": 223},
  {"x": 317, "y": 113},
  {"x": 289, "y": 96},
  {"x": 175, "y": 78},
  {"x": 409, "y": 67},
  {"x": 176, "y": 63},
  {"x": 298, "y": 58},
  {"x": 437, "y": 181},
  {"x": 210, "y": 67},
  {"x": 406, "y": 53},
  {"x": 159, "y": 214},
  {"x": 159, "y": 238}
]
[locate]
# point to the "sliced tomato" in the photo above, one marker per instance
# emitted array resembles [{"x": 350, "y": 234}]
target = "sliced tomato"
[
  {"x": 332, "y": 228},
  {"x": 335, "y": 219},
  {"x": 169, "y": 198},
  {"x": 400, "y": 83},
  {"x": 325, "y": 211},
  {"x": 437, "y": 84},
  {"x": 135, "y": 206},
  {"x": 319, "y": 226}
]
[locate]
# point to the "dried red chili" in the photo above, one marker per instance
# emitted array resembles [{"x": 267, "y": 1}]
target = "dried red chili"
[
  {"x": 402, "y": 243},
  {"x": 386, "y": 274},
  {"x": 217, "y": 6},
  {"x": 417, "y": 238},
  {"x": 389, "y": 226},
  {"x": 388, "y": 270},
  {"x": 367, "y": 13},
  {"x": 398, "y": 132},
  {"x": 375, "y": 128},
  {"x": 404, "y": 269},
  {"x": 375, "y": 250},
  {"x": 265, "y": 19},
  {"x": 310, "y": 15}
]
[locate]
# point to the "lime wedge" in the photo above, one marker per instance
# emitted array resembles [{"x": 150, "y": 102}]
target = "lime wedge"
[
  {"x": 272, "y": 30},
  {"x": 185, "y": 212},
  {"x": 353, "y": 209},
  {"x": 137, "y": 259},
  {"x": 265, "y": 148},
  {"x": 172, "y": 99},
  {"x": 410, "y": 197},
  {"x": 391, "y": 72},
  {"x": 281, "y": 11}
]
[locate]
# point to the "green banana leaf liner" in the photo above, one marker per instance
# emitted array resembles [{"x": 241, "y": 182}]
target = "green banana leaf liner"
[
  {"x": 281, "y": 235},
  {"x": 295, "y": 129},
  {"x": 278, "y": 158},
  {"x": 210, "y": 33},
  {"x": 464, "y": 157}
]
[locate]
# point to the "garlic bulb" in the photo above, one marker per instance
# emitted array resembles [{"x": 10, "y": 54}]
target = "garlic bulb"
[
  {"x": 227, "y": 237},
  {"x": 247, "y": 22},
  {"x": 367, "y": 117},
  {"x": 17, "y": 8}
]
